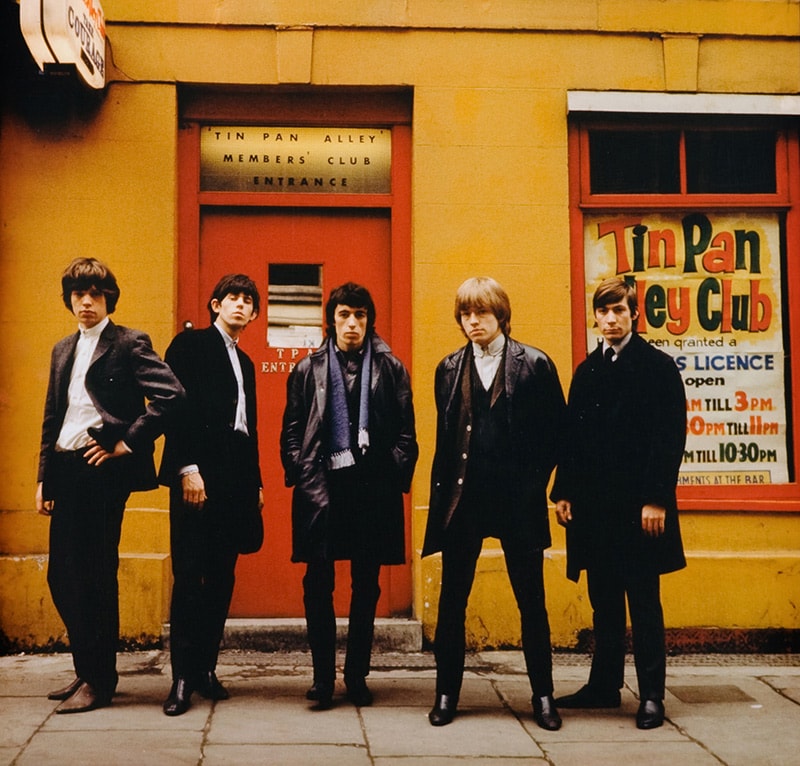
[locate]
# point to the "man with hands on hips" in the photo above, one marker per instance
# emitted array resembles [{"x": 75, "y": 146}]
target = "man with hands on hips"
[{"x": 96, "y": 448}]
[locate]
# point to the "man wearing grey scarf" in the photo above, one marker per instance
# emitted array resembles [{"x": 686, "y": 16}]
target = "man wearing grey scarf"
[{"x": 349, "y": 448}]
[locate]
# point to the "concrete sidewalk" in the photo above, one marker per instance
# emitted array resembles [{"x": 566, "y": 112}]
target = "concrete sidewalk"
[{"x": 721, "y": 709}]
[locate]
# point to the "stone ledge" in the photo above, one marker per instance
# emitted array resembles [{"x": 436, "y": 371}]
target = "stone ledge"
[{"x": 280, "y": 634}]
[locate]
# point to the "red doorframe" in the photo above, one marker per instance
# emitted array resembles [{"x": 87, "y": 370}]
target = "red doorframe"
[{"x": 329, "y": 108}]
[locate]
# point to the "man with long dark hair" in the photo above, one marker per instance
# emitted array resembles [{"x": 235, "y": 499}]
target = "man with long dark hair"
[
  {"x": 97, "y": 447},
  {"x": 349, "y": 448},
  {"x": 211, "y": 466}
]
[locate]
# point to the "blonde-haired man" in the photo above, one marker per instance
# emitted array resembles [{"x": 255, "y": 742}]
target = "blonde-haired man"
[{"x": 499, "y": 405}]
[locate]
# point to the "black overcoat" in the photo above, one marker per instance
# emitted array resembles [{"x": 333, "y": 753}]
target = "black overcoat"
[
  {"x": 535, "y": 405},
  {"x": 622, "y": 449},
  {"x": 391, "y": 456}
]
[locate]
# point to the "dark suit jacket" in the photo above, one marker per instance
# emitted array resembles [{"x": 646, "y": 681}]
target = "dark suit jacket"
[
  {"x": 197, "y": 435},
  {"x": 622, "y": 449},
  {"x": 535, "y": 405},
  {"x": 123, "y": 372}
]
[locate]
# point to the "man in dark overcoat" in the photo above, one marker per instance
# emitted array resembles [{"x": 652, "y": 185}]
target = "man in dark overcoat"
[
  {"x": 107, "y": 400},
  {"x": 499, "y": 405},
  {"x": 615, "y": 494},
  {"x": 211, "y": 465},
  {"x": 349, "y": 448}
]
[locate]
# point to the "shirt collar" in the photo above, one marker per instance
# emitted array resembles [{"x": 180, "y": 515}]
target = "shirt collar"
[
  {"x": 96, "y": 331},
  {"x": 229, "y": 342},
  {"x": 618, "y": 347},
  {"x": 495, "y": 348}
]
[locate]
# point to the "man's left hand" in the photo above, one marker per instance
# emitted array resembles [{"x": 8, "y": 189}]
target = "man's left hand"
[{"x": 653, "y": 520}]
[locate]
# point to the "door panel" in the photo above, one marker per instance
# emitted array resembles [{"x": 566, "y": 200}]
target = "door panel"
[{"x": 329, "y": 246}]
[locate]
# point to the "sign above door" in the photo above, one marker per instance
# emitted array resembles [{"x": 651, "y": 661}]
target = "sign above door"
[
  {"x": 295, "y": 159},
  {"x": 66, "y": 33}
]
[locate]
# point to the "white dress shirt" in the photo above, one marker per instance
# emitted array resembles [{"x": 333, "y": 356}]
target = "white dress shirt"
[
  {"x": 81, "y": 413},
  {"x": 240, "y": 423},
  {"x": 487, "y": 359},
  {"x": 240, "y": 420}
]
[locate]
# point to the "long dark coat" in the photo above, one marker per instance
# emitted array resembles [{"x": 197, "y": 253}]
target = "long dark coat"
[
  {"x": 202, "y": 433},
  {"x": 535, "y": 405},
  {"x": 622, "y": 449},
  {"x": 388, "y": 465}
]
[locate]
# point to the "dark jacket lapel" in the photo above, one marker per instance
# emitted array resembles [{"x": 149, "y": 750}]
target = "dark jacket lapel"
[
  {"x": 62, "y": 368},
  {"x": 104, "y": 342}
]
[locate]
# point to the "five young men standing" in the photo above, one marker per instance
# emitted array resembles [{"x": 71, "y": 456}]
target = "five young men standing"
[{"x": 348, "y": 447}]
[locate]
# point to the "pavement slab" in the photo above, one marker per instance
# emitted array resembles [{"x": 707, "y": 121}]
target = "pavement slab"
[{"x": 722, "y": 710}]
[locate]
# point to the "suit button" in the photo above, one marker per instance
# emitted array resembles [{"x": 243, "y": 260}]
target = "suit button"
[
  {"x": 460, "y": 481},
  {"x": 464, "y": 456}
]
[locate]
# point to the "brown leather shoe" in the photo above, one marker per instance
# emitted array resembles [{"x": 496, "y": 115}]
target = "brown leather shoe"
[
  {"x": 66, "y": 692},
  {"x": 82, "y": 701}
]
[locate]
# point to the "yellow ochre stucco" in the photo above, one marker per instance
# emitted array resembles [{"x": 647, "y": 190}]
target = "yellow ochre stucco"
[{"x": 490, "y": 195}]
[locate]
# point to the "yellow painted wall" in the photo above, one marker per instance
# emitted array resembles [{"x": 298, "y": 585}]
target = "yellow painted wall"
[
  {"x": 101, "y": 184},
  {"x": 490, "y": 195}
]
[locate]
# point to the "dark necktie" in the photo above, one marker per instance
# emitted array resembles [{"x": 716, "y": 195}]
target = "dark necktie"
[{"x": 608, "y": 355}]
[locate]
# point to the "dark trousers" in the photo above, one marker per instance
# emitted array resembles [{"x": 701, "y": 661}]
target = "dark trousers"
[
  {"x": 204, "y": 558},
  {"x": 608, "y": 586},
  {"x": 459, "y": 558},
  {"x": 82, "y": 570},
  {"x": 318, "y": 586}
]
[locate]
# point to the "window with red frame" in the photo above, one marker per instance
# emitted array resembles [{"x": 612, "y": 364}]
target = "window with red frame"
[{"x": 701, "y": 215}]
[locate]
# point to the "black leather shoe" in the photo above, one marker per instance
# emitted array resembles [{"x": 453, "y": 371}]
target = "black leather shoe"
[
  {"x": 83, "y": 700},
  {"x": 322, "y": 694},
  {"x": 211, "y": 688},
  {"x": 650, "y": 714},
  {"x": 545, "y": 713},
  {"x": 66, "y": 692},
  {"x": 180, "y": 698},
  {"x": 314, "y": 691},
  {"x": 587, "y": 697},
  {"x": 443, "y": 710},
  {"x": 358, "y": 693}
]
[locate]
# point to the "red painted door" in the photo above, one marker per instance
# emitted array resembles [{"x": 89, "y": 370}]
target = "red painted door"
[{"x": 295, "y": 256}]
